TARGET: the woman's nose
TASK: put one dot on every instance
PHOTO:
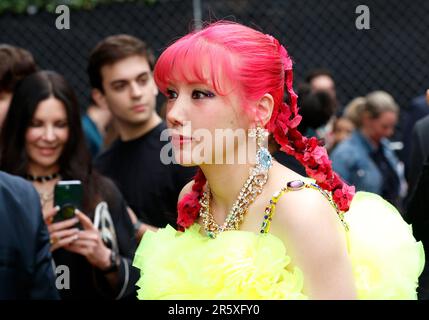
(49, 133)
(176, 113)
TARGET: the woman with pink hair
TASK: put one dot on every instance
(255, 229)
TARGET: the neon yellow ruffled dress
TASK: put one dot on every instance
(386, 259)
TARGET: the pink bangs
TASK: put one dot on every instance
(195, 59)
(228, 57)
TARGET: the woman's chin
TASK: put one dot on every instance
(189, 161)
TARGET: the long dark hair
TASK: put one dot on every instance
(75, 160)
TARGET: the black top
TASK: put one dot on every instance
(150, 187)
(290, 162)
(25, 261)
(88, 282)
(419, 151)
(418, 216)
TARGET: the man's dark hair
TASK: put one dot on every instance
(113, 49)
(317, 73)
(316, 108)
(15, 64)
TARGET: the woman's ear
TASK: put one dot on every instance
(264, 108)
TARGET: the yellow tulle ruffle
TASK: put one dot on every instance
(386, 258)
(243, 265)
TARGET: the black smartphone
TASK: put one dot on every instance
(68, 196)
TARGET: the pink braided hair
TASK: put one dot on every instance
(308, 151)
(189, 207)
(284, 120)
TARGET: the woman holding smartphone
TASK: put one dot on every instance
(42, 141)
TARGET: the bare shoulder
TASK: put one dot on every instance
(186, 189)
(301, 209)
(305, 209)
(315, 239)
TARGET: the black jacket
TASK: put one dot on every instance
(418, 216)
(419, 150)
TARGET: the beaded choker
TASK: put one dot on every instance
(42, 178)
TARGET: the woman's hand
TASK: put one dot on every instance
(48, 215)
(61, 234)
(89, 244)
(139, 227)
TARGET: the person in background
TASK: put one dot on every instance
(41, 140)
(96, 122)
(321, 80)
(419, 149)
(15, 64)
(316, 109)
(409, 116)
(418, 193)
(354, 109)
(342, 129)
(418, 215)
(25, 260)
(365, 159)
(344, 125)
(120, 73)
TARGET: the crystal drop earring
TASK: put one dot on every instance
(264, 160)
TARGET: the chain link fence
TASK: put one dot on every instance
(392, 55)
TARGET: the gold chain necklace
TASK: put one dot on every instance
(251, 189)
(45, 197)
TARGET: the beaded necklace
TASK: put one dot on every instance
(42, 178)
(248, 193)
(252, 188)
(45, 197)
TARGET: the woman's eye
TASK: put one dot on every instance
(171, 94)
(61, 124)
(197, 94)
(35, 124)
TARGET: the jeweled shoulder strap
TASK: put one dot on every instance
(296, 185)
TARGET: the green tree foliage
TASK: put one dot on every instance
(32, 6)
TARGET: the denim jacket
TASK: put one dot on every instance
(351, 159)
